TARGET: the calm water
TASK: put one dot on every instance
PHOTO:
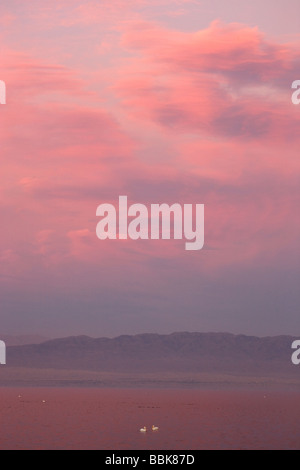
(110, 419)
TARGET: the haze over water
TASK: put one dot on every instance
(110, 419)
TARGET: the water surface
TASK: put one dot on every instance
(110, 419)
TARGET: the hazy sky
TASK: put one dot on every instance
(164, 101)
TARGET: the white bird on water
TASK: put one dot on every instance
(144, 429)
(155, 428)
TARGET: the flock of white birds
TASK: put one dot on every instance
(154, 428)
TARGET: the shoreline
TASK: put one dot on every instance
(24, 377)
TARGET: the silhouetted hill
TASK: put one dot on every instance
(152, 353)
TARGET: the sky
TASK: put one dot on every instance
(164, 101)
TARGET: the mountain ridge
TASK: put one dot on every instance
(151, 352)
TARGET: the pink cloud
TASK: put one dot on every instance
(30, 78)
(226, 80)
(220, 48)
(7, 19)
(92, 12)
(66, 150)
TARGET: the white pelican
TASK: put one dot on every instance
(144, 429)
(155, 428)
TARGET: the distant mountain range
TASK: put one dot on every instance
(213, 353)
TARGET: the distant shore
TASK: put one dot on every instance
(25, 377)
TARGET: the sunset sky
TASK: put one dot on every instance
(181, 101)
